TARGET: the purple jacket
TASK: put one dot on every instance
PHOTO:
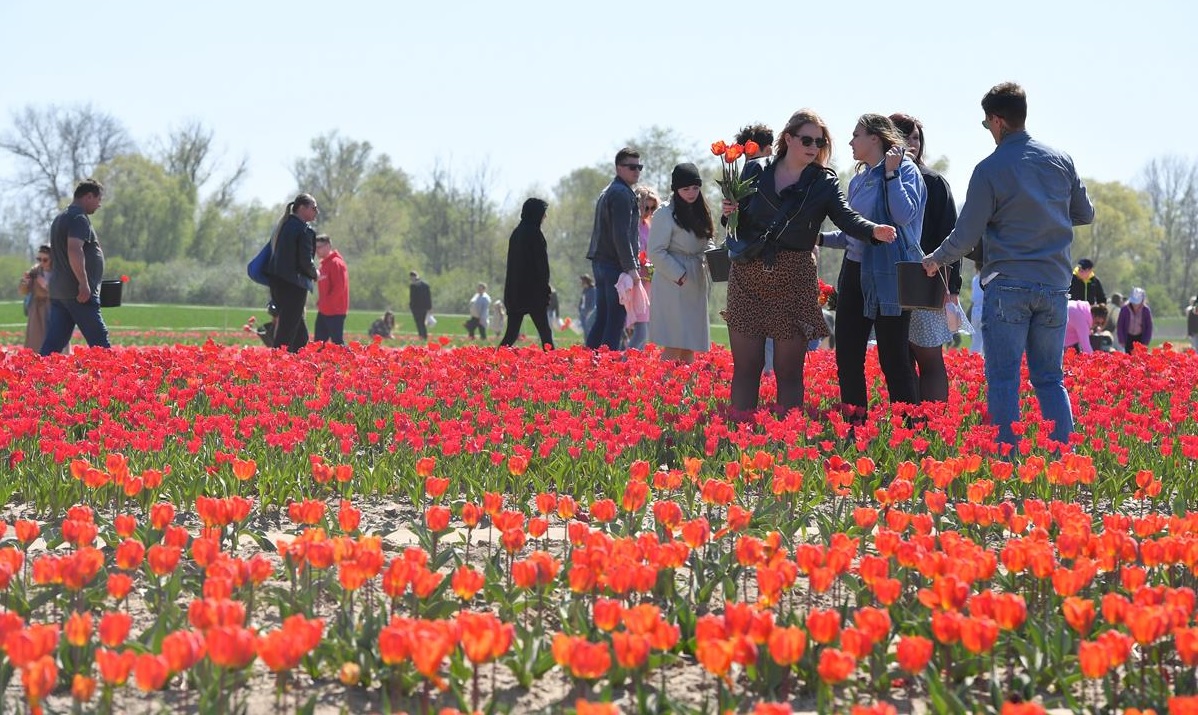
(1125, 319)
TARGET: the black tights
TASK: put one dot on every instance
(515, 321)
(748, 359)
(933, 377)
(852, 338)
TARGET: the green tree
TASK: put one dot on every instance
(147, 215)
(1122, 236)
(334, 172)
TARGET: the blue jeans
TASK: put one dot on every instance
(1020, 317)
(330, 328)
(640, 336)
(609, 314)
(65, 316)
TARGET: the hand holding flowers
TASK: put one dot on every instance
(731, 185)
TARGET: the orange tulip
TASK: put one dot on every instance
(978, 635)
(913, 653)
(83, 688)
(466, 582)
(787, 645)
(119, 585)
(484, 637)
(163, 559)
(1079, 614)
(115, 667)
(1092, 657)
(834, 665)
(151, 672)
(78, 629)
(114, 628)
(823, 625)
(39, 679)
(632, 650)
(231, 647)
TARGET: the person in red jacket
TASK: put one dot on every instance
(332, 302)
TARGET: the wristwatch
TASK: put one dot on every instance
(891, 175)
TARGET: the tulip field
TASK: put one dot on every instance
(452, 528)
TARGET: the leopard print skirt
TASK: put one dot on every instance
(780, 303)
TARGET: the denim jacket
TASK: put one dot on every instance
(905, 196)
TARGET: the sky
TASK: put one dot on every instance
(533, 90)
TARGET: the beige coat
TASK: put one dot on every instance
(679, 317)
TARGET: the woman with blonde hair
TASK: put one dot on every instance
(887, 187)
(647, 202)
(775, 295)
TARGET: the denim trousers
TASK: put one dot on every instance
(65, 315)
(1018, 318)
(609, 314)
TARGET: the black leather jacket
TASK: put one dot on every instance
(817, 196)
(293, 254)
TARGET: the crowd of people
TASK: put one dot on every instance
(651, 282)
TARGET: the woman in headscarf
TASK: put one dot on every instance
(526, 288)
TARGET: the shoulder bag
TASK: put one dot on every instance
(745, 250)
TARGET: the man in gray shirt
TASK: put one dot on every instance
(78, 269)
(1022, 204)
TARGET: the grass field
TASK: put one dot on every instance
(227, 322)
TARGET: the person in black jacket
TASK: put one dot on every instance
(776, 295)
(420, 302)
(292, 270)
(929, 329)
(1085, 285)
(526, 287)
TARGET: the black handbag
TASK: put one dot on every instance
(764, 245)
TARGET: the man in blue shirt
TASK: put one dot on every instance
(1022, 204)
(78, 269)
(615, 239)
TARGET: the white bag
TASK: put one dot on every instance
(430, 321)
(957, 322)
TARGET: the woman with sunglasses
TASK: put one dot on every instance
(929, 328)
(35, 285)
(647, 202)
(887, 187)
(776, 295)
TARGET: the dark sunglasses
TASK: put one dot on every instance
(43, 260)
(634, 167)
(819, 142)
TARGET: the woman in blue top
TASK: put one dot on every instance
(887, 189)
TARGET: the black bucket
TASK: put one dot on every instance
(916, 289)
(717, 263)
(110, 293)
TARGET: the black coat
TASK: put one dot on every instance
(526, 287)
(823, 199)
(420, 297)
(939, 218)
(292, 258)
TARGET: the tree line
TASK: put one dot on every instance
(172, 220)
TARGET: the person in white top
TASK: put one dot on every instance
(975, 315)
(480, 312)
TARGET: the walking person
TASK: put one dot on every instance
(1135, 321)
(420, 302)
(526, 285)
(776, 294)
(613, 249)
(888, 187)
(586, 304)
(292, 271)
(75, 286)
(1022, 204)
(480, 312)
(681, 231)
(332, 293)
(929, 330)
(35, 286)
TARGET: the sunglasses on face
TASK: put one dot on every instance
(43, 260)
(634, 167)
(819, 142)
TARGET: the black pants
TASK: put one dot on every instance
(1132, 340)
(852, 338)
(420, 316)
(330, 328)
(475, 324)
(515, 321)
(290, 329)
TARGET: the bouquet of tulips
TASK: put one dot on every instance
(731, 185)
